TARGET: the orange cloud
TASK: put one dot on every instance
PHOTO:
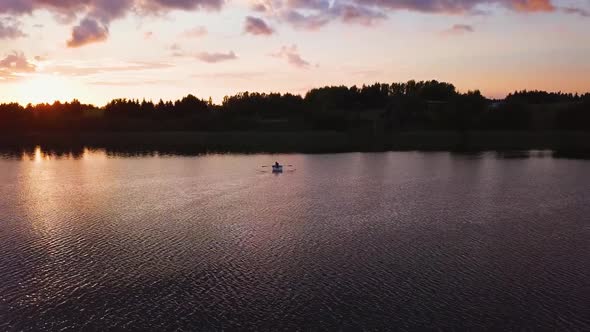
(533, 5)
(12, 65)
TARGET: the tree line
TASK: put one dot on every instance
(413, 105)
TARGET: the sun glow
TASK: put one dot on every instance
(46, 89)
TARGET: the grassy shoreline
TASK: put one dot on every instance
(310, 142)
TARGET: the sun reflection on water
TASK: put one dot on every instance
(39, 154)
(49, 175)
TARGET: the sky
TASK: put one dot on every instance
(97, 50)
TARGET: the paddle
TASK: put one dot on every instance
(279, 165)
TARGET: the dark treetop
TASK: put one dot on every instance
(426, 105)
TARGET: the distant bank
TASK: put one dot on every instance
(307, 142)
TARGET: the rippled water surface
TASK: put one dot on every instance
(344, 241)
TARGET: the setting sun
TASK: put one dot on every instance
(46, 89)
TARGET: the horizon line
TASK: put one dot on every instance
(302, 95)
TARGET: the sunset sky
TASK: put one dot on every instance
(97, 50)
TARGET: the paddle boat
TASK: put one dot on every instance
(277, 168)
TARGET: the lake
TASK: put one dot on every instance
(399, 240)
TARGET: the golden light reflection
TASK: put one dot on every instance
(38, 155)
(38, 191)
(61, 184)
(94, 155)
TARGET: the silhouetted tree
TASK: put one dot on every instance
(423, 105)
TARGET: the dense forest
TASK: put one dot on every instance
(425, 105)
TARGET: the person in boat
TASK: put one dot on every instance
(277, 164)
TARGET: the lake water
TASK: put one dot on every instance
(344, 241)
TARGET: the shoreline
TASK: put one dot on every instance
(305, 142)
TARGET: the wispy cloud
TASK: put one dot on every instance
(577, 11)
(459, 6)
(196, 32)
(176, 50)
(291, 54)
(17, 63)
(259, 7)
(10, 30)
(131, 83)
(458, 29)
(247, 75)
(257, 26)
(88, 69)
(216, 57)
(315, 14)
(359, 15)
(13, 65)
(306, 22)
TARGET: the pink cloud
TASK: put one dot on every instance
(216, 57)
(359, 15)
(259, 7)
(576, 11)
(291, 54)
(306, 22)
(104, 9)
(459, 29)
(459, 6)
(89, 70)
(314, 14)
(10, 30)
(159, 5)
(257, 26)
(16, 63)
(98, 14)
(87, 32)
(196, 32)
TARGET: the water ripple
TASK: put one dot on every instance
(347, 242)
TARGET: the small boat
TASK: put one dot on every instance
(276, 168)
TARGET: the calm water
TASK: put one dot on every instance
(345, 241)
